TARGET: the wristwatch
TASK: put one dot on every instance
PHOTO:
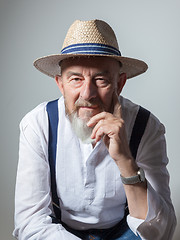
(138, 178)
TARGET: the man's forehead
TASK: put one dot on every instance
(98, 62)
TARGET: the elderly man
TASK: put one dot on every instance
(87, 156)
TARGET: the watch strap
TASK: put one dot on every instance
(138, 178)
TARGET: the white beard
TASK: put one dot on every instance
(82, 131)
(79, 125)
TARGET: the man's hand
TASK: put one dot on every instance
(112, 128)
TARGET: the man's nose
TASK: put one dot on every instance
(88, 90)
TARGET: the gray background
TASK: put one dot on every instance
(147, 30)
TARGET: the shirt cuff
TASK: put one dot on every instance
(134, 223)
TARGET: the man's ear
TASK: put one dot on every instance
(121, 82)
(59, 83)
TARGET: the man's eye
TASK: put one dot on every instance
(102, 82)
(76, 81)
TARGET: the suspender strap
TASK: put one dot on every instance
(52, 110)
(138, 130)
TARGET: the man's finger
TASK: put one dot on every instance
(96, 118)
(117, 112)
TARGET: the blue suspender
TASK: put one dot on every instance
(52, 110)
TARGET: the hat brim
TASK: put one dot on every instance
(49, 65)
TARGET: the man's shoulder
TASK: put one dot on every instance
(130, 110)
(38, 116)
(128, 105)
(38, 112)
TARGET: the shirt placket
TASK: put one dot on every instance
(90, 177)
(89, 181)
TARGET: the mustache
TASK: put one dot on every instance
(84, 103)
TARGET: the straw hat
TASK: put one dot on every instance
(90, 38)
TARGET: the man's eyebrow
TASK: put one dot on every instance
(70, 73)
(104, 73)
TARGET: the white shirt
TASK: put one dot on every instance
(88, 180)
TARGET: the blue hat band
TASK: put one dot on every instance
(91, 48)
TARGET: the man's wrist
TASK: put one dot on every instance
(127, 166)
